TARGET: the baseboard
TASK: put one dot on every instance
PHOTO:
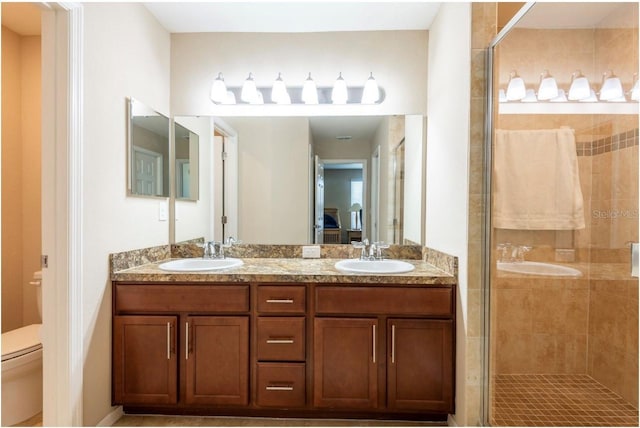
(451, 421)
(112, 417)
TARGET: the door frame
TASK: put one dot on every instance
(62, 211)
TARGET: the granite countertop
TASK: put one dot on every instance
(287, 270)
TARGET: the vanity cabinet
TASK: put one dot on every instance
(400, 357)
(283, 349)
(181, 344)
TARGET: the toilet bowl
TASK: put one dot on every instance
(22, 370)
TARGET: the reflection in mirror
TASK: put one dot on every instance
(148, 141)
(274, 168)
(186, 150)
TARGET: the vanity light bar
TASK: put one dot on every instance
(308, 94)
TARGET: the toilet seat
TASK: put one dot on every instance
(21, 341)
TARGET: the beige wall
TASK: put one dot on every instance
(447, 187)
(273, 174)
(130, 62)
(415, 130)
(21, 229)
(398, 60)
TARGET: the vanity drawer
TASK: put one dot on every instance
(281, 384)
(132, 298)
(282, 299)
(280, 339)
(436, 301)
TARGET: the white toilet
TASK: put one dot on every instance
(22, 368)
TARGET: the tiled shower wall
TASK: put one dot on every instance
(587, 325)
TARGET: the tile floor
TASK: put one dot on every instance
(216, 421)
(557, 400)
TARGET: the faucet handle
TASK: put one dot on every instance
(230, 241)
(379, 246)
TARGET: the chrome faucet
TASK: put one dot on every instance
(370, 251)
(508, 253)
(213, 250)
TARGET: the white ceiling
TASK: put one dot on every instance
(293, 16)
(358, 127)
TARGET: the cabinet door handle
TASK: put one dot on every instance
(279, 300)
(186, 342)
(279, 388)
(279, 341)
(168, 340)
(374, 343)
(393, 343)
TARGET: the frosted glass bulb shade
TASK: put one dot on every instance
(371, 92)
(611, 89)
(218, 89)
(580, 88)
(530, 97)
(310, 91)
(561, 98)
(229, 98)
(548, 88)
(339, 94)
(258, 99)
(591, 98)
(279, 91)
(635, 92)
(249, 90)
(516, 90)
(502, 96)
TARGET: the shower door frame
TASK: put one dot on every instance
(486, 190)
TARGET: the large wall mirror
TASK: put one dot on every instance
(148, 151)
(301, 180)
(187, 145)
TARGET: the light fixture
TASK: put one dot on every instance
(611, 88)
(580, 88)
(548, 87)
(530, 97)
(635, 91)
(516, 89)
(310, 91)
(561, 98)
(218, 89)
(502, 96)
(279, 91)
(371, 92)
(249, 90)
(592, 98)
(339, 94)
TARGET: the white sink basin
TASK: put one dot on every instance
(374, 266)
(537, 268)
(199, 264)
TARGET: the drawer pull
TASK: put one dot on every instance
(186, 345)
(279, 388)
(393, 343)
(279, 341)
(280, 301)
(373, 335)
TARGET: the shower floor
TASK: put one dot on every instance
(557, 400)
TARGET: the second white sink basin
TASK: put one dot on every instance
(374, 266)
(537, 268)
(200, 264)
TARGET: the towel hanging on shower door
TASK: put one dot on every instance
(537, 183)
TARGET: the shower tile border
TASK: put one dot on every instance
(608, 144)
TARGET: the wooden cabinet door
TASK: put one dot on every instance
(145, 364)
(217, 360)
(420, 364)
(345, 363)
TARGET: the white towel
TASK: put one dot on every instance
(537, 184)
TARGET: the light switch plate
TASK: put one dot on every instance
(310, 251)
(163, 211)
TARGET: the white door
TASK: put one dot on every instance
(148, 177)
(319, 209)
